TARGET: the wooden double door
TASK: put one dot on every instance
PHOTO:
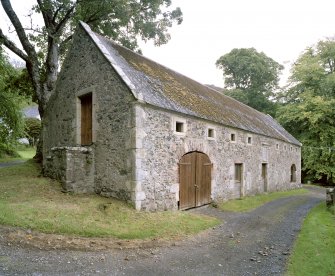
(195, 171)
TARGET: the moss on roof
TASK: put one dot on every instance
(165, 88)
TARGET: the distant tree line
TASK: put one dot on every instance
(306, 107)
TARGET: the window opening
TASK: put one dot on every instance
(238, 172)
(210, 133)
(180, 127)
(86, 119)
(232, 137)
(293, 173)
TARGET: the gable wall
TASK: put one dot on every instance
(87, 71)
(161, 149)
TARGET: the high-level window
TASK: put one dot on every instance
(86, 119)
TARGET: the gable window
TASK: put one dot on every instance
(293, 173)
(211, 133)
(86, 119)
(233, 137)
(238, 172)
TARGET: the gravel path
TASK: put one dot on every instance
(11, 163)
(254, 243)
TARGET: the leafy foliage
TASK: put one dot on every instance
(32, 128)
(309, 110)
(251, 77)
(45, 46)
(10, 116)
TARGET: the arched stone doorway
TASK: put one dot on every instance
(195, 169)
(293, 173)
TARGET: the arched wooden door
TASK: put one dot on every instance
(195, 180)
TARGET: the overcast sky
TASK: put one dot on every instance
(281, 29)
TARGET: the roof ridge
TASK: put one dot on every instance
(156, 84)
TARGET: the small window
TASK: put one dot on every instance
(210, 133)
(233, 137)
(291, 148)
(180, 127)
(285, 148)
(249, 140)
(238, 172)
(277, 146)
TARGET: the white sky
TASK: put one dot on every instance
(281, 29)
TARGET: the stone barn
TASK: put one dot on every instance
(121, 125)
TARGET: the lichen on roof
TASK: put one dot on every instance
(165, 88)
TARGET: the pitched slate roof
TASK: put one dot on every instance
(162, 87)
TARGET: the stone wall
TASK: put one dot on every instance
(73, 166)
(160, 147)
(86, 70)
(136, 149)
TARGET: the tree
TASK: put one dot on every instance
(10, 116)
(309, 110)
(251, 77)
(32, 128)
(122, 20)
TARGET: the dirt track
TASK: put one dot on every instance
(254, 243)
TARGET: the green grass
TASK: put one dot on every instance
(314, 249)
(23, 152)
(250, 203)
(30, 201)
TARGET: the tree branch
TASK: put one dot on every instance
(66, 17)
(20, 31)
(11, 46)
(46, 14)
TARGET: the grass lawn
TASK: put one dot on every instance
(314, 249)
(249, 203)
(24, 154)
(30, 201)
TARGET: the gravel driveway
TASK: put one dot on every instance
(254, 243)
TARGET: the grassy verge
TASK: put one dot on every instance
(249, 203)
(30, 201)
(314, 249)
(24, 154)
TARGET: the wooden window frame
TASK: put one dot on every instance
(79, 96)
(86, 122)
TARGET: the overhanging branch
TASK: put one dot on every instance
(12, 47)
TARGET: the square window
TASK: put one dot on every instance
(210, 133)
(180, 127)
(232, 137)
